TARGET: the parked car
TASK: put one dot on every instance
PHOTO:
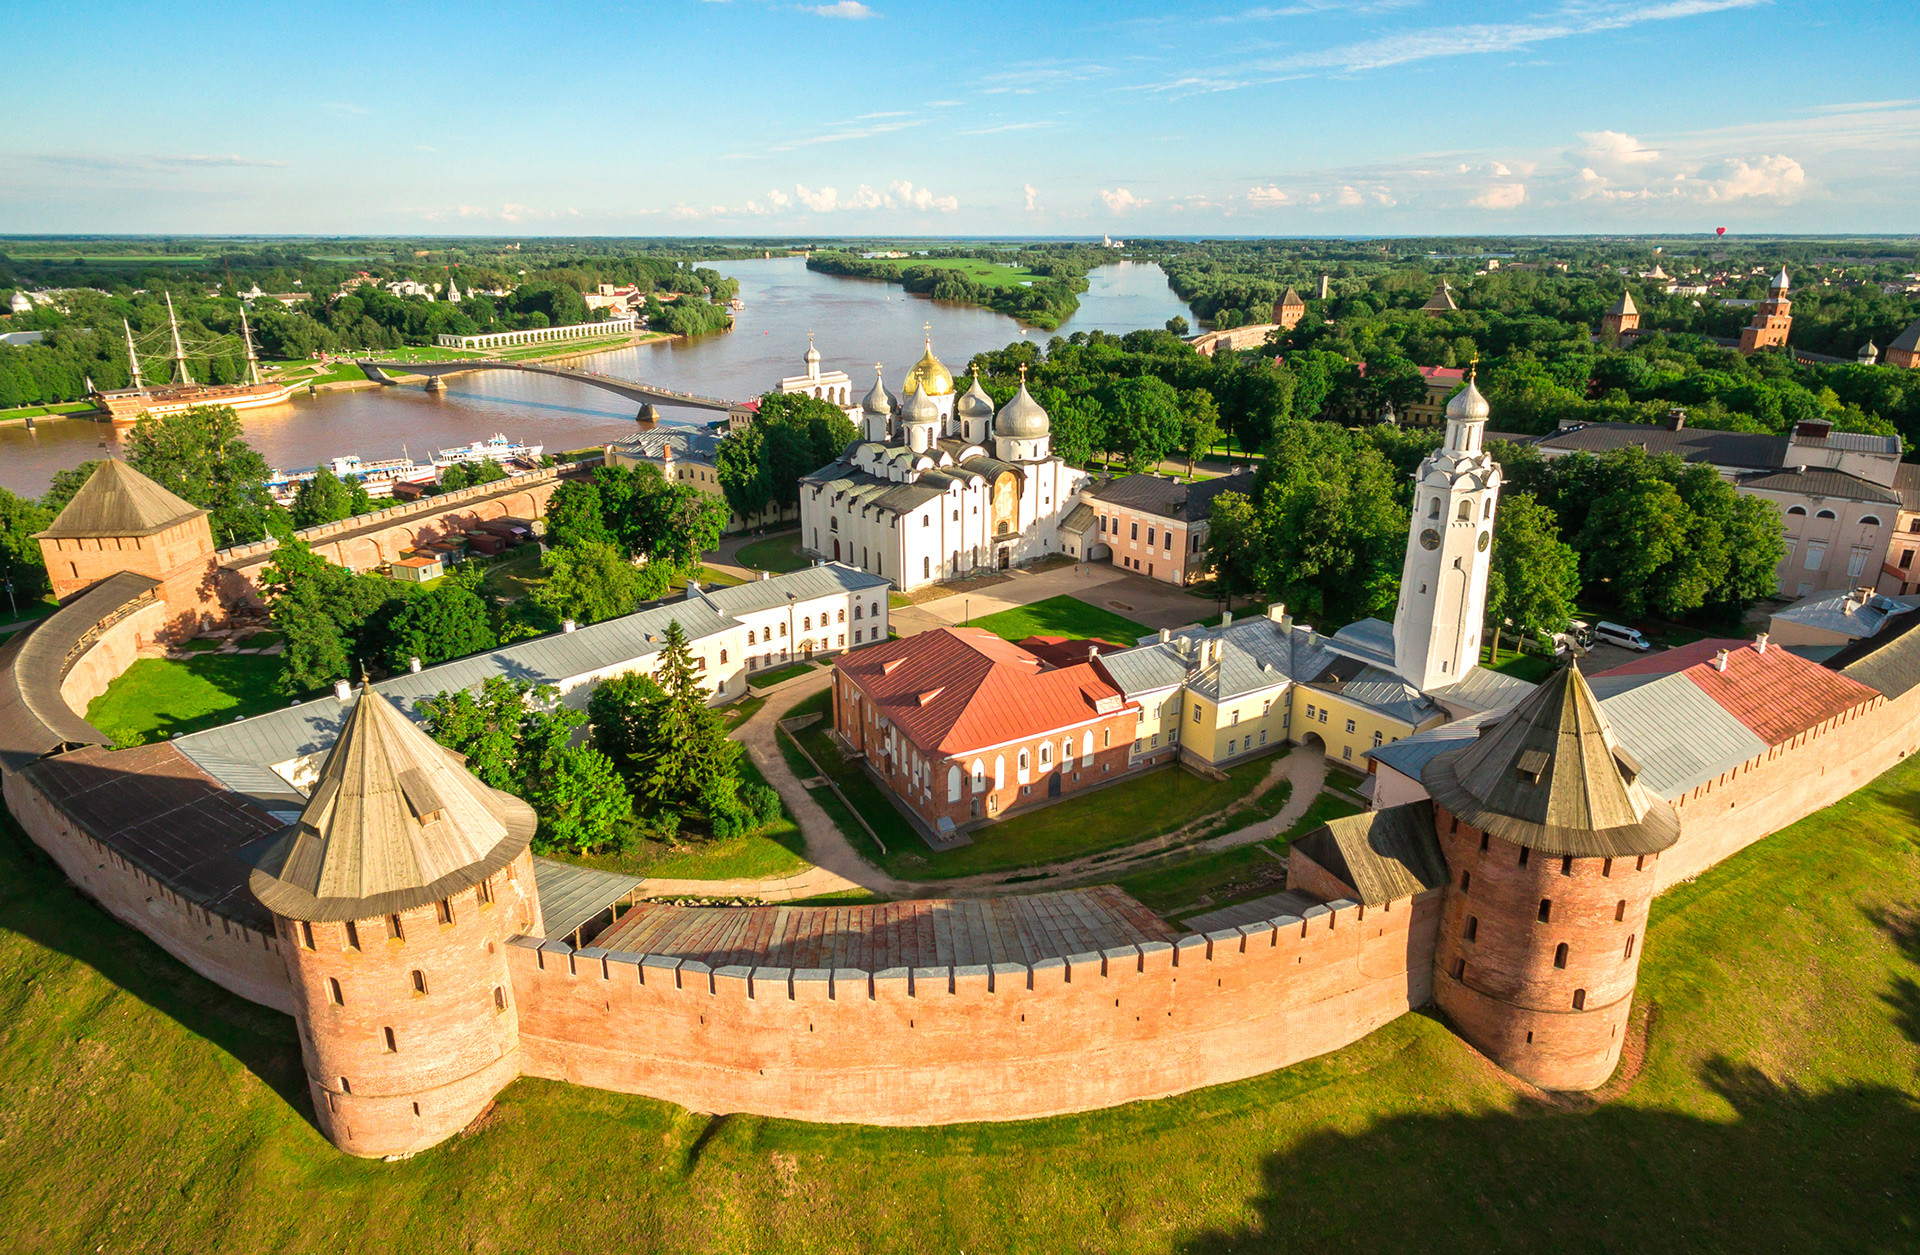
(1621, 635)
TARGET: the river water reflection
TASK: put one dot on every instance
(855, 322)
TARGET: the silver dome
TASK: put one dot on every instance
(1022, 419)
(976, 403)
(922, 408)
(878, 401)
(1469, 405)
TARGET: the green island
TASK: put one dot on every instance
(1038, 284)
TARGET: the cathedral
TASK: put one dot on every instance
(939, 486)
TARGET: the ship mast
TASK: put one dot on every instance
(133, 359)
(253, 363)
(180, 372)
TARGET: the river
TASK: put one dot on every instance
(855, 323)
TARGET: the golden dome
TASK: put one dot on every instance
(929, 375)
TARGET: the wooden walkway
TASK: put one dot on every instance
(937, 932)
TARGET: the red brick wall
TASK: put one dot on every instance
(1512, 999)
(453, 1045)
(942, 1045)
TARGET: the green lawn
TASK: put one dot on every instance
(514, 574)
(1530, 667)
(776, 553)
(44, 411)
(157, 697)
(1167, 889)
(1778, 1109)
(1062, 616)
(986, 273)
(779, 675)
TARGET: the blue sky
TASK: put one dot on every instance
(726, 117)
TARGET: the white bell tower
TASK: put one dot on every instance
(1443, 586)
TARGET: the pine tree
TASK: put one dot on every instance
(688, 744)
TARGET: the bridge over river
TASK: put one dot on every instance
(649, 394)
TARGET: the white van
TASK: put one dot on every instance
(1621, 635)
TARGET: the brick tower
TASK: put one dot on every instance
(122, 521)
(1904, 352)
(1770, 326)
(1550, 842)
(1624, 316)
(1289, 309)
(394, 896)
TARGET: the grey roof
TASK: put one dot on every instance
(922, 408)
(1144, 669)
(117, 500)
(1736, 449)
(1820, 482)
(1853, 441)
(826, 579)
(1168, 497)
(1410, 755)
(893, 496)
(1382, 855)
(1442, 299)
(1379, 689)
(34, 719)
(990, 467)
(1889, 662)
(1908, 340)
(1369, 640)
(1469, 404)
(1484, 689)
(394, 822)
(687, 443)
(1551, 775)
(570, 896)
(878, 400)
(1838, 611)
(975, 403)
(1078, 519)
(1679, 735)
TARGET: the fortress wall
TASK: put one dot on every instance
(1789, 782)
(942, 1045)
(111, 653)
(231, 955)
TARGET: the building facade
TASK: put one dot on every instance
(1623, 316)
(1152, 525)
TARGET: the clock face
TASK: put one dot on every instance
(1429, 539)
(1485, 539)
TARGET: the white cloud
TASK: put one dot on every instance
(826, 200)
(778, 199)
(1120, 200)
(1268, 197)
(1768, 178)
(1502, 196)
(853, 10)
(1611, 148)
(1347, 196)
(1033, 198)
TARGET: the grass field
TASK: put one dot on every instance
(1062, 616)
(157, 697)
(1532, 668)
(775, 553)
(985, 273)
(1777, 1110)
(779, 675)
(42, 411)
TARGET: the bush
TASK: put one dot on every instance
(762, 803)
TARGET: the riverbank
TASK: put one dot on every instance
(65, 409)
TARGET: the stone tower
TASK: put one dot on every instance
(1770, 326)
(1904, 352)
(1289, 309)
(394, 896)
(1624, 316)
(122, 521)
(1550, 841)
(1443, 585)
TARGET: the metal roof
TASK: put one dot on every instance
(1735, 449)
(570, 896)
(825, 579)
(1078, 519)
(1145, 669)
(687, 443)
(35, 719)
(1778, 694)
(1820, 482)
(1681, 737)
(117, 500)
(1410, 755)
(1168, 497)
(1838, 611)
(1484, 689)
(1888, 663)
(1369, 640)
(1382, 855)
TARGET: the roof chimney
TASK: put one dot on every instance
(567, 625)
(342, 690)
(1226, 619)
(1760, 643)
(413, 665)
(1676, 418)
(1277, 612)
(766, 575)
(1720, 660)
(1166, 634)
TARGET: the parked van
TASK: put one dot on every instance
(1621, 635)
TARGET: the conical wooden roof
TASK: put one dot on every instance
(1441, 301)
(394, 821)
(1551, 776)
(117, 500)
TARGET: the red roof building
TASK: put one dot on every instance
(964, 726)
(1775, 693)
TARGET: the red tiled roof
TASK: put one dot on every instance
(954, 690)
(1777, 695)
(1431, 373)
(1065, 651)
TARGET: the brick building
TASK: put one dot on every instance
(1770, 326)
(1153, 524)
(1624, 316)
(1289, 310)
(965, 726)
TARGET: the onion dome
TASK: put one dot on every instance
(393, 822)
(1468, 405)
(813, 354)
(922, 408)
(1779, 283)
(929, 375)
(1869, 353)
(976, 403)
(877, 401)
(1022, 419)
(1551, 776)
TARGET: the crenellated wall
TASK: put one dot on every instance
(941, 1045)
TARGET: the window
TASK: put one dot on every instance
(1433, 510)
(783, 629)
(1046, 754)
(1460, 969)
(1524, 852)
(1231, 742)
(750, 639)
(1579, 1000)
(1023, 760)
(1906, 559)
(1310, 711)
(843, 615)
(1566, 864)
(723, 657)
(1323, 714)
(353, 929)
(1376, 740)
(1629, 953)
(393, 1047)
(1825, 514)
(1546, 910)
(1263, 736)
(1857, 562)
(1136, 532)
(1465, 514)
(1606, 869)
(1346, 752)
(1796, 510)
(334, 995)
(1233, 719)
(1466, 881)
(842, 641)
(1560, 955)
(444, 910)
(806, 623)
(1620, 911)
(1106, 739)
(1265, 707)
(1196, 712)
(419, 981)
(1640, 863)
(1473, 927)
(394, 931)
(926, 568)
(306, 935)
(1349, 727)
(1869, 520)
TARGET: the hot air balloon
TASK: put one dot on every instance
(1719, 230)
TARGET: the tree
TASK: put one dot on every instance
(438, 623)
(1533, 578)
(1199, 424)
(199, 455)
(65, 484)
(591, 582)
(1178, 325)
(800, 434)
(741, 467)
(624, 711)
(1233, 545)
(1330, 532)
(1143, 420)
(574, 516)
(581, 801)
(688, 746)
(21, 563)
(322, 499)
(330, 616)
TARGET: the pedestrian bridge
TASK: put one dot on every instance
(435, 372)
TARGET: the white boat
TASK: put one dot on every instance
(498, 447)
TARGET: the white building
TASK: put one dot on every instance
(942, 490)
(829, 385)
(804, 614)
(1443, 584)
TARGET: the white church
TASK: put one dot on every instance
(939, 487)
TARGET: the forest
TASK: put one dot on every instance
(1045, 301)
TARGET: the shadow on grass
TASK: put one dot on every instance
(38, 903)
(1791, 1170)
(1902, 926)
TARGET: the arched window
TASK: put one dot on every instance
(1433, 511)
(1023, 760)
(1086, 746)
(783, 629)
(1466, 512)
(333, 992)
(1487, 511)
(1579, 1000)
(723, 657)
(858, 612)
(843, 615)
(419, 981)
(1473, 927)
(1546, 910)
(979, 776)
(806, 623)
(1046, 754)
(1825, 514)
(1620, 911)
(1797, 509)
(1066, 752)
(750, 636)
(1560, 955)
(999, 771)
(1869, 520)
(953, 783)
